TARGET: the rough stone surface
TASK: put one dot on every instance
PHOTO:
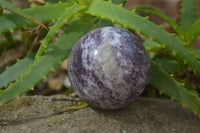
(37, 114)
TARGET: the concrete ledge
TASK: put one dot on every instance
(36, 114)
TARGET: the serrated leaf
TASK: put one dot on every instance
(195, 52)
(151, 45)
(18, 12)
(149, 7)
(56, 27)
(141, 25)
(171, 66)
(165, 18)
(193, 32)
(103, 23)
(13, 72)
(169, 86)
(46, 63)
(47, 13)
(188, 14)
(117, 2)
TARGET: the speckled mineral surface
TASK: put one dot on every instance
(108, 68)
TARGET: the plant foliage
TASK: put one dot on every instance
(169, 53)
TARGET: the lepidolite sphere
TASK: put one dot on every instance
(108, 68)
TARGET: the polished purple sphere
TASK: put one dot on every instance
(108, 68)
